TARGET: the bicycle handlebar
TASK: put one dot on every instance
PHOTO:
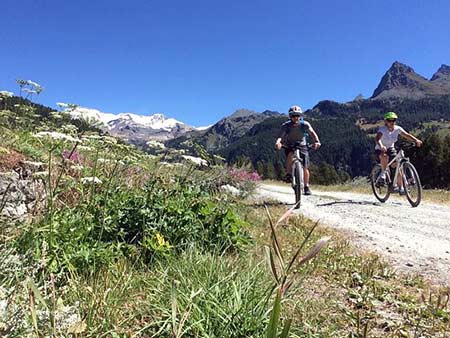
(309, 146)
(405, 146)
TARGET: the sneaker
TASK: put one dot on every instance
(307, 191)
(401, 191)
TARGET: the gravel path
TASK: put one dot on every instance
(416, 240)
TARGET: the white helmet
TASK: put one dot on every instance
(295, 111)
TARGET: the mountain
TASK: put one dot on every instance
(347, 129)
(401, 81)
(226, 131)
(133, 127)
(442, 77)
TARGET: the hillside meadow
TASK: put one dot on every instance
(119, 243)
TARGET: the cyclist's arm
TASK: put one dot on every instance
(378, 140)
(314, 135)
(281, 134)
(411, 137)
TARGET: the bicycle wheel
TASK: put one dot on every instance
(411, 183)
(297, 183)
(380, 189)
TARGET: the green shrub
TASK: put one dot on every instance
(160, 218)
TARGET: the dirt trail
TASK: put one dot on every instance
(416, 240)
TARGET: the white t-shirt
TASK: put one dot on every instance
(389, 137)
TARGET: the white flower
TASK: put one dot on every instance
(155, 144)
(103, 160)
(5, 93)
(77, 167)
(230, 189)
(197, 160)
(56, 115)
(40, 174)
(34, 84)
(109, 139)
(56, 136)
(29, 91)
(94, 180)
(86, 148)
(93, 137)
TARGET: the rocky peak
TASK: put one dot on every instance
(242, 113)
(399, 76)
(403, 82)
(442, 72)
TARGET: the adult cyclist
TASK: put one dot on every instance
(292, 132)
(385, 140)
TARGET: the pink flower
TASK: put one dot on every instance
(74, 157)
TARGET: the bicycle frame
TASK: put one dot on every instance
(399, 158)
(297, 158)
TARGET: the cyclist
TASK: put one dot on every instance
(294, 131)
(385, 139)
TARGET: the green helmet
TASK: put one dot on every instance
(390, 116)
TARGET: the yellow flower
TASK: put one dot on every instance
(160, 239)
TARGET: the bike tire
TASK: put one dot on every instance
(377, 191)
(297, 183)
(411, 179)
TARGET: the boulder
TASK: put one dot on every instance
(19, 196)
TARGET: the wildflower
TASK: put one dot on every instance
(86, 148)
(62, 104)
(155, 144)
(32, 83)
(160, 239)
(72, 156)
(103, 160)
(197, 160)
(92, 179)
(76, 167)
(162, 243)
(56, 115)
(29, 91)
(56, 136)
(93, 137)
(109, 139)
(69, 128)
(40, 174)
(5, 93)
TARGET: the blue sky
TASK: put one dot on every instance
(200, 60)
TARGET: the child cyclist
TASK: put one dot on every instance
(385, 140)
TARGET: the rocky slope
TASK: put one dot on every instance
(401, 81)
(227, 130)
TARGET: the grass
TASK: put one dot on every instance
(197, 291)
(347, 291)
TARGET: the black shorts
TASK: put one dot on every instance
(391, 152)
(304, 155)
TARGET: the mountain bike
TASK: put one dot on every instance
(410, 178)
(297, 171)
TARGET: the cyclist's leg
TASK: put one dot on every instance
(391, 153)
(305, 162)
(306, 176)
(383, 157)
(289, 159)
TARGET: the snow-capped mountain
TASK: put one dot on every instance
(134, 127)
